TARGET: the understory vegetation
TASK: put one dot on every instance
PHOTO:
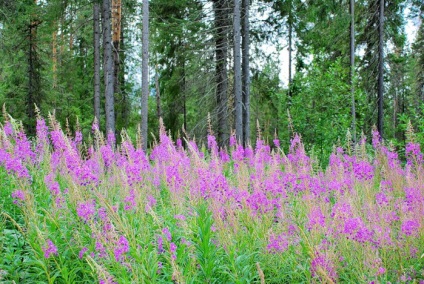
(75, 211)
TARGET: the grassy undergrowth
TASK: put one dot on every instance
(107, 213)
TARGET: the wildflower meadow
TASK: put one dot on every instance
(91, 210)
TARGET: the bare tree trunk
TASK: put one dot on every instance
(221, 75)
(237, 73)
(116, 39)
(123, 92)
(290, 20)
(145, 73)
(380, 68)
(108, 68)
(34, 82)
(352, 65)
(158, 109)
(96, 28)
(246, 71)
(54, 57)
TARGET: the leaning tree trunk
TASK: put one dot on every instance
(237, 73)
(246, 72)
(145, 73)
(221, 75)
(380, 68)
(108, 67)
(96, 43)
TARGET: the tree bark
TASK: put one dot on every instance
(237, 73)
(221, 75)
(34, 82)
(116, 39)
(380, 68)
(96, 39)
(108, 68)
(290, 22)
(145, 73)
(158, 108)
(246, 71)
(352, 65)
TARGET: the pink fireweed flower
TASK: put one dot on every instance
(278, 243)
(8, 128)
(111, 138)
(320, 261)
(102, 214)
(381, 271)
(51, 184)
(212, 145)
(276, 143)
(130, 200)
(101, 250)
(233, 140)
(410, 227)
(316, 218)
(18, 196)
(180, 217)
(122, 248)
(413, 153)
(160, 244)
(376, 139)
(173, 249)
(167, 234)
(179, 143)
(82, 252)
(49, 249)
(151, 202)
(86, 210)
(78, 137)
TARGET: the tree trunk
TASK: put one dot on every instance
(122, 90)
(158, 109)
(145, 73)
(352, 65)
(108, 68)
(290, 22)
(54, 58)
(221, 75)
(116, 39)
(380, 68)
(246, 72)
(237, 73)
(96, 39)
(34, 82)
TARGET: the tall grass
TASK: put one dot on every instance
(108, 213)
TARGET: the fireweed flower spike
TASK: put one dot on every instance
(49, 249)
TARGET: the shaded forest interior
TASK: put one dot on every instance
(348, 65)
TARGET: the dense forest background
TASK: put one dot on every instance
(215, 65)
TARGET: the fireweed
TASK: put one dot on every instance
(109, 212)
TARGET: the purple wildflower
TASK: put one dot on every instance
(86, 210)
(278, 243)
(122, 248)
(321, 262)
(167, 234)
(82, 252)
(18, 196)
(410, 227)
(316, 218)
(173, 249)
(130, 200)
(180, 217)
(49, 249)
